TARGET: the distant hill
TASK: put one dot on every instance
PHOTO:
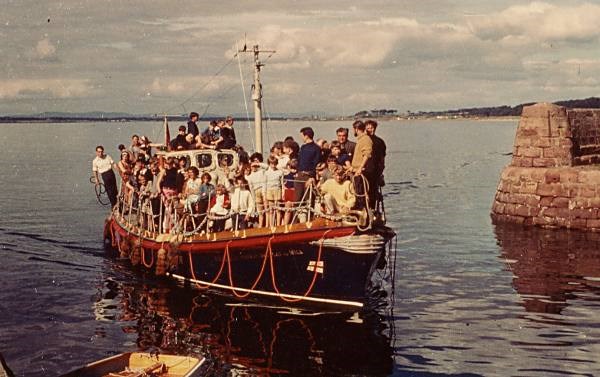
(499, 111)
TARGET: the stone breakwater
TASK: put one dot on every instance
(553, 180)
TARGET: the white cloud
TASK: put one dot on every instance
(35, 88)
(118, 45)
(45, 49)
(284, 88)
(541, 21)
(177, 85)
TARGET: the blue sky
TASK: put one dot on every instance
(332, 56)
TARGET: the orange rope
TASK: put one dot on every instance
(144, 258)
(314, 278)
(260, 274)
(225, 254)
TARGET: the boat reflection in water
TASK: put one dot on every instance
(246, 339)
(550, 267)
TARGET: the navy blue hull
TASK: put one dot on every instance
(340, 275)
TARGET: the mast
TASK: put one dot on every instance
(257, 96)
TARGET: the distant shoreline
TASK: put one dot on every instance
(291, 119)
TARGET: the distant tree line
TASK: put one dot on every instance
(375, 113)
(498, 111)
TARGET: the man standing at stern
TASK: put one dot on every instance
(103, 165)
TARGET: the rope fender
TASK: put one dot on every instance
(315, 273)
(268, 254)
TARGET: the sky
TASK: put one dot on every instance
(333, 57)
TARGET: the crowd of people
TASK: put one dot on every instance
(262, 191)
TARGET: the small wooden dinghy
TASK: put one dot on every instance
(137, 364)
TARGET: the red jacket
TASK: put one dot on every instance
(226, 201)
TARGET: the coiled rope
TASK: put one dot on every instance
(100, 190)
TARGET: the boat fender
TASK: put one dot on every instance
(161, 262)
(107, 235)
(124, 248)
(135, 255)
(173, 259)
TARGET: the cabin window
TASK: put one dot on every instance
(225, 160)
(204, 160)
(187, 160)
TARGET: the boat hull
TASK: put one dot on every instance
(184, 366)
(318, 264)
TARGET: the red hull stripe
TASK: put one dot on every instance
(306, 235)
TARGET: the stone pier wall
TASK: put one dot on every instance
(552, 180)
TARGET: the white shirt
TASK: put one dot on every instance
(102, 165)
(242, 201)
(218, 208)
(273, 178)
(282, 161)
(256, 180)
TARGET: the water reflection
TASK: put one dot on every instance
(551, 267)
(244, 338)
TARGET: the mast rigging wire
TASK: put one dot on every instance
(201, 88)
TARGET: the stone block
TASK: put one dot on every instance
(546, 201)
(577, 223)
(522, 210)
(498, 207)
(524, 140)
(522, 161)
(545, 189)
(560, 202)
(549, 211)
(529, 152)
(543, 221)
(593, 223)
(510, 209)
(593, 202)
(505, 186)
(542, 162)
(526, 136)
(568, 175)
(528, 187)
(543, 142)
(536, 174)
(590, 177)
(532, 201)
(561, 222)
(565, 143)
(587, 191)
(584, 213)
(543, 110)
(552, 176)
(557, 152)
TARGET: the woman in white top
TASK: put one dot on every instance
(191, 190)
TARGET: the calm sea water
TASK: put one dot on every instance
(469, 298)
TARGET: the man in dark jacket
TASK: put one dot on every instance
(379, 151)
(192, 127)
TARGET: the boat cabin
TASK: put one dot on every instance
(206, 160)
